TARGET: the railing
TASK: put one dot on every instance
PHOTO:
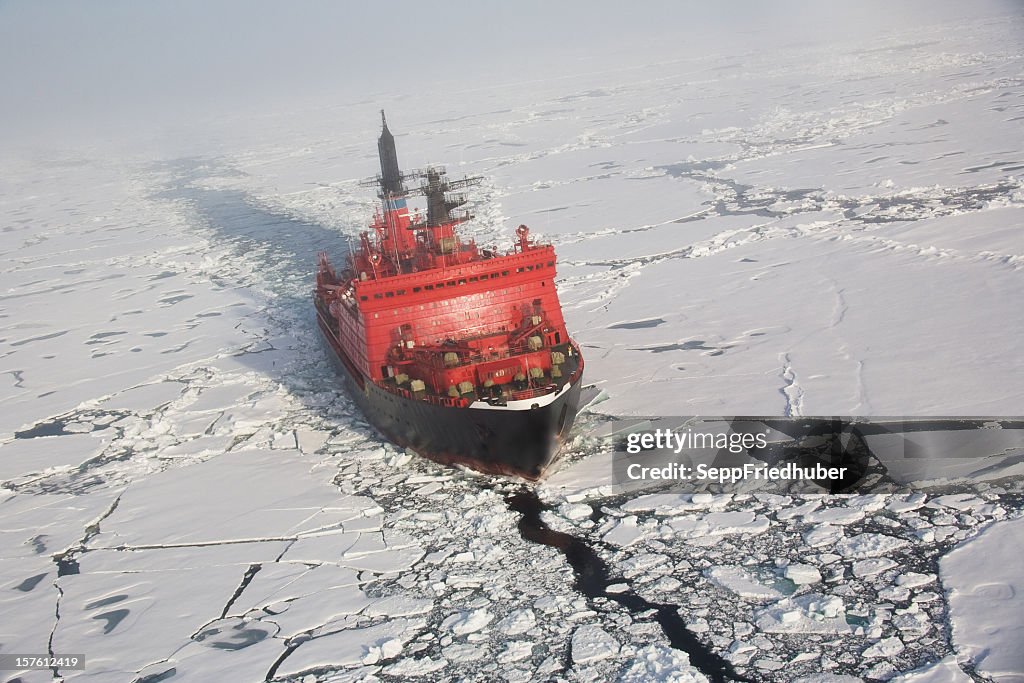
(339, 350)
(526, 394)
(575, 375)
(522, 395)
(446, 401)
(433, 356)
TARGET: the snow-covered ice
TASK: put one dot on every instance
(591, 643)
(740, 582)
(801, 574)
(985, 603)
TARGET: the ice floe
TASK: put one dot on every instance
(985, 603)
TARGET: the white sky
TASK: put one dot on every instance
(70, 69)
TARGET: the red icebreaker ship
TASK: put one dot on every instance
(457, 352)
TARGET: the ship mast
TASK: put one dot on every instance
(409, 242)
(390, 174)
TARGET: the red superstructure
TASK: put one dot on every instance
(432, 319)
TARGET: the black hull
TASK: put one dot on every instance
(521, 443)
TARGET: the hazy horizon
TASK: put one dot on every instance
(109, 69)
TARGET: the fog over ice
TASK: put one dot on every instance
(167, 72)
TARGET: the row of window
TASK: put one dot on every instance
(454, 283)
(407, 310)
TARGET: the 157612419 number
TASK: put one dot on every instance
(15, 661)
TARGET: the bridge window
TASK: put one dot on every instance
(389, 295)
(378, 295)
(363, 297)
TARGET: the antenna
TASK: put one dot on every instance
(436, 187)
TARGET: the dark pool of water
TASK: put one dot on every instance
(593, 578)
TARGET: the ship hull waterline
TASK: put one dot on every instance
(518, 443)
